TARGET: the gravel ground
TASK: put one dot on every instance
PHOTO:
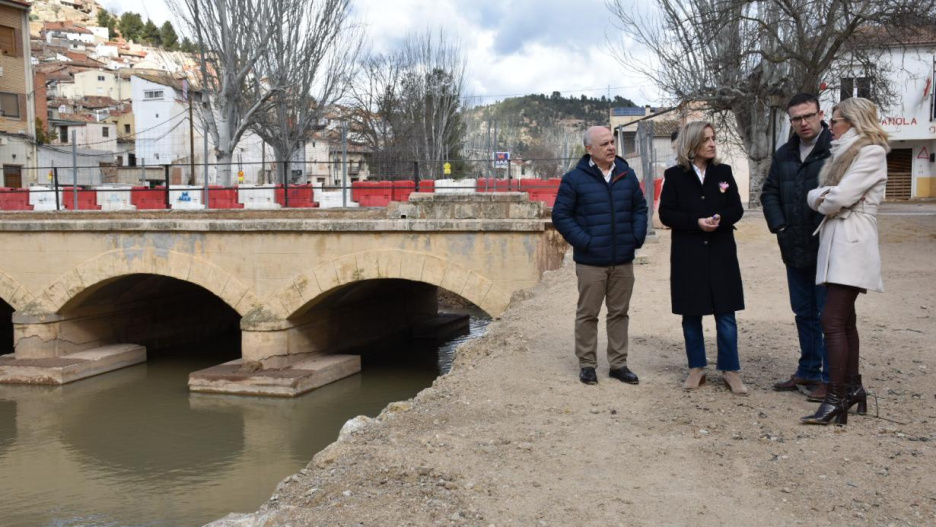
(510, 437)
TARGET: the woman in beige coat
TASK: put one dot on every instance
(851, 186)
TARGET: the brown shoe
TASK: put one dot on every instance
(818, 395)
(733, 382)
(695, 379)
(790, 384)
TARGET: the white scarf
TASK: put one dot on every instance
(841, 144)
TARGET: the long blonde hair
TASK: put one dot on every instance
(862, 115)
(689, 140)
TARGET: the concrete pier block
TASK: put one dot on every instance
(71, 367)
(299, 378)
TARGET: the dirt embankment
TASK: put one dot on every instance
(511, 437)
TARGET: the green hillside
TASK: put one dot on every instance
(537, 125)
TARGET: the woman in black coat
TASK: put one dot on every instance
(701, 204)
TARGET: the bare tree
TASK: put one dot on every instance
(310, 57)
(433, 87)
(232, 37)
(376, 115)
(745, 59)
(407, 103)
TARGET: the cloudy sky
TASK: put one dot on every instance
(514, 47)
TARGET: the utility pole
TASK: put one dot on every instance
(344, 164)
(488, 151)
(191, 123)
(74, 139)
(495, 148)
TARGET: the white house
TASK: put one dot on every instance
(162, 131)
(101, 34)
(69, 32)
(106, 53)
(88, 134)
(910, 119)
(104, 83)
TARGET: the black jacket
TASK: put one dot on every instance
(784, 199)
(604, 223)
(705, 277)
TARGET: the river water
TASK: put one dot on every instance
(134, 448)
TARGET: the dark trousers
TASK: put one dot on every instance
(841, 332)
(726, 328)
(808, 300)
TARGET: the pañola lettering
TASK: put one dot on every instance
(898, 121)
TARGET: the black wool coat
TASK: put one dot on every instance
(705, 277)
(784, 199)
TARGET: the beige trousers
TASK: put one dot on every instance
(613, 286)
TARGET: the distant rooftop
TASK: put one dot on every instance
(632, 111)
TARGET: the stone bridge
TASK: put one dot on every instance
(86, 293)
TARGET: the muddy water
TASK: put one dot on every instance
(135, 448)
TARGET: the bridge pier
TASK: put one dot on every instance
(291, 356)
(53, 349)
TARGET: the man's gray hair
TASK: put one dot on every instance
(586, 139)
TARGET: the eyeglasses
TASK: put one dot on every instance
(800, 118)
(833, 120)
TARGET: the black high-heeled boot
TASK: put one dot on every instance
(857, 395)
(833, 410)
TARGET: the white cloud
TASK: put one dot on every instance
(513, 48)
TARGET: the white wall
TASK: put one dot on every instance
(908, 118)
(161, 124)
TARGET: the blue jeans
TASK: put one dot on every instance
(727, 330)
(808, 300)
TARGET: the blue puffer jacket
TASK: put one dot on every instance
(604, 223)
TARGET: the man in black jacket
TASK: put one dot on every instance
(793, 173)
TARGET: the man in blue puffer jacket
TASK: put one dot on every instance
(602, 213)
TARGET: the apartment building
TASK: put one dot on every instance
(17, 113)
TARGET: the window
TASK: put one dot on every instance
(105, 132)
(9, 105)
(856, 87)
(100, 78)
(126, 128)
(153, 94)
(7, 40)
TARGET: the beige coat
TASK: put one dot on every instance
(848, 236)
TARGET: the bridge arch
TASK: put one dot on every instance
(317, 283)
(17, 296)
(115, 264)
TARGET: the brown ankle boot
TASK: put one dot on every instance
(818, 395)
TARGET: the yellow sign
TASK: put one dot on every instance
(240, 176)
(447, 169)
(50, 175)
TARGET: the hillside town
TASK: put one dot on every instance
(76, 93)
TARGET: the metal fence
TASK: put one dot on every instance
(91, 183)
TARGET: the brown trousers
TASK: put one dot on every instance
(612, 286)
(839, 323)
